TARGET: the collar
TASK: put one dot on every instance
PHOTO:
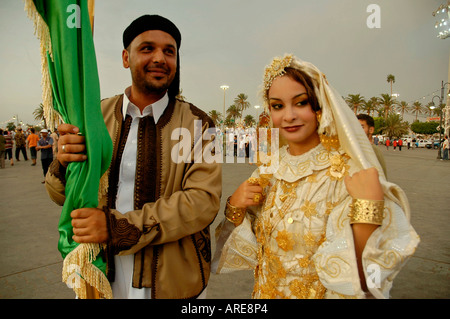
(156, 109)
(294, 167)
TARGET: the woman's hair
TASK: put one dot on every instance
(302, 78)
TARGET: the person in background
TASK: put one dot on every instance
(445, 147)
(9, 146)
(2, 149)
(368, 124)
(20, 140)
(32, 142)
(45, 145)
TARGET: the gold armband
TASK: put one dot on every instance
(234, 214)
(366, 211)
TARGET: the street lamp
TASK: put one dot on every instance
(224, 88)
(257, 107)
(441, 98)
(443, 23)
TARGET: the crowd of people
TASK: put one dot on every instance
(29, 140)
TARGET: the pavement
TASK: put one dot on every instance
(30, 263)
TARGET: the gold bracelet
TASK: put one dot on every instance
(366, 211)
(234, 214)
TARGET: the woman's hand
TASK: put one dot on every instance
(70, 145)
(249, 193)
(365, 184)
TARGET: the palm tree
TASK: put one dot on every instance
(417, 108)
(354, 101)
(215, 116)
(241, 103)
(370, 105)
(39, 114)
(387, 102)
(391, 79)
(394, 127)
(249, 120)
(402, 107)
(233, 112)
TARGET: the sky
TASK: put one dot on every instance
(230, 42)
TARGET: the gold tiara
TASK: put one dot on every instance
(277, 68)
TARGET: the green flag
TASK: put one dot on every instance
(71, 87)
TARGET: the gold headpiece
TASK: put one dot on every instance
(277, 68)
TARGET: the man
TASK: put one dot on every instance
(32, 142)
(45, 145)
(368, 124)
(156, 214)
(445, 147)
(2, 149)
(9, 146)
(20, 144)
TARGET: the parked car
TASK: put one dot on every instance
(432, 144)
(422, 143)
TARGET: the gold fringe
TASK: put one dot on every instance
(79, 272)
(43, 34)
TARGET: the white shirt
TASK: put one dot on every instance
(122, 286)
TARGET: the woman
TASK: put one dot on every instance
(324, 223)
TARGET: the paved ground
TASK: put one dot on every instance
(30, 264)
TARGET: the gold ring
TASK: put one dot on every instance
(253, 181)
(256, 198)
(64, 148)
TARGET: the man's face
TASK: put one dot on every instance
(152, 59)
(367, 129)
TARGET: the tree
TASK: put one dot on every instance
(241, 103)
(10, 126)
(417, 108)
(215, 116)
(370, 105)
(425, 127)
(233, 113)
(387, 102)
(402, 107)
(39, 114)
(249, 120)
(394, 126)
(355, 101)
(391, 80)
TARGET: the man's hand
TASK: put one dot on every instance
(89, 225)
(70, 146)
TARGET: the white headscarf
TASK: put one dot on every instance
(337, 119)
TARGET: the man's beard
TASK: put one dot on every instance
(150, 86)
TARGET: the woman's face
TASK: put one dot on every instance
(292, 114)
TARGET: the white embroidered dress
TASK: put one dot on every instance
(300, 242)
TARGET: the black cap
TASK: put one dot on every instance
(150, 22)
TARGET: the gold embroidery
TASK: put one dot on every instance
(284, 240)
(309, 209)
(338, 168)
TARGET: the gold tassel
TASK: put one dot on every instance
(43, 34)
(80, 274)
